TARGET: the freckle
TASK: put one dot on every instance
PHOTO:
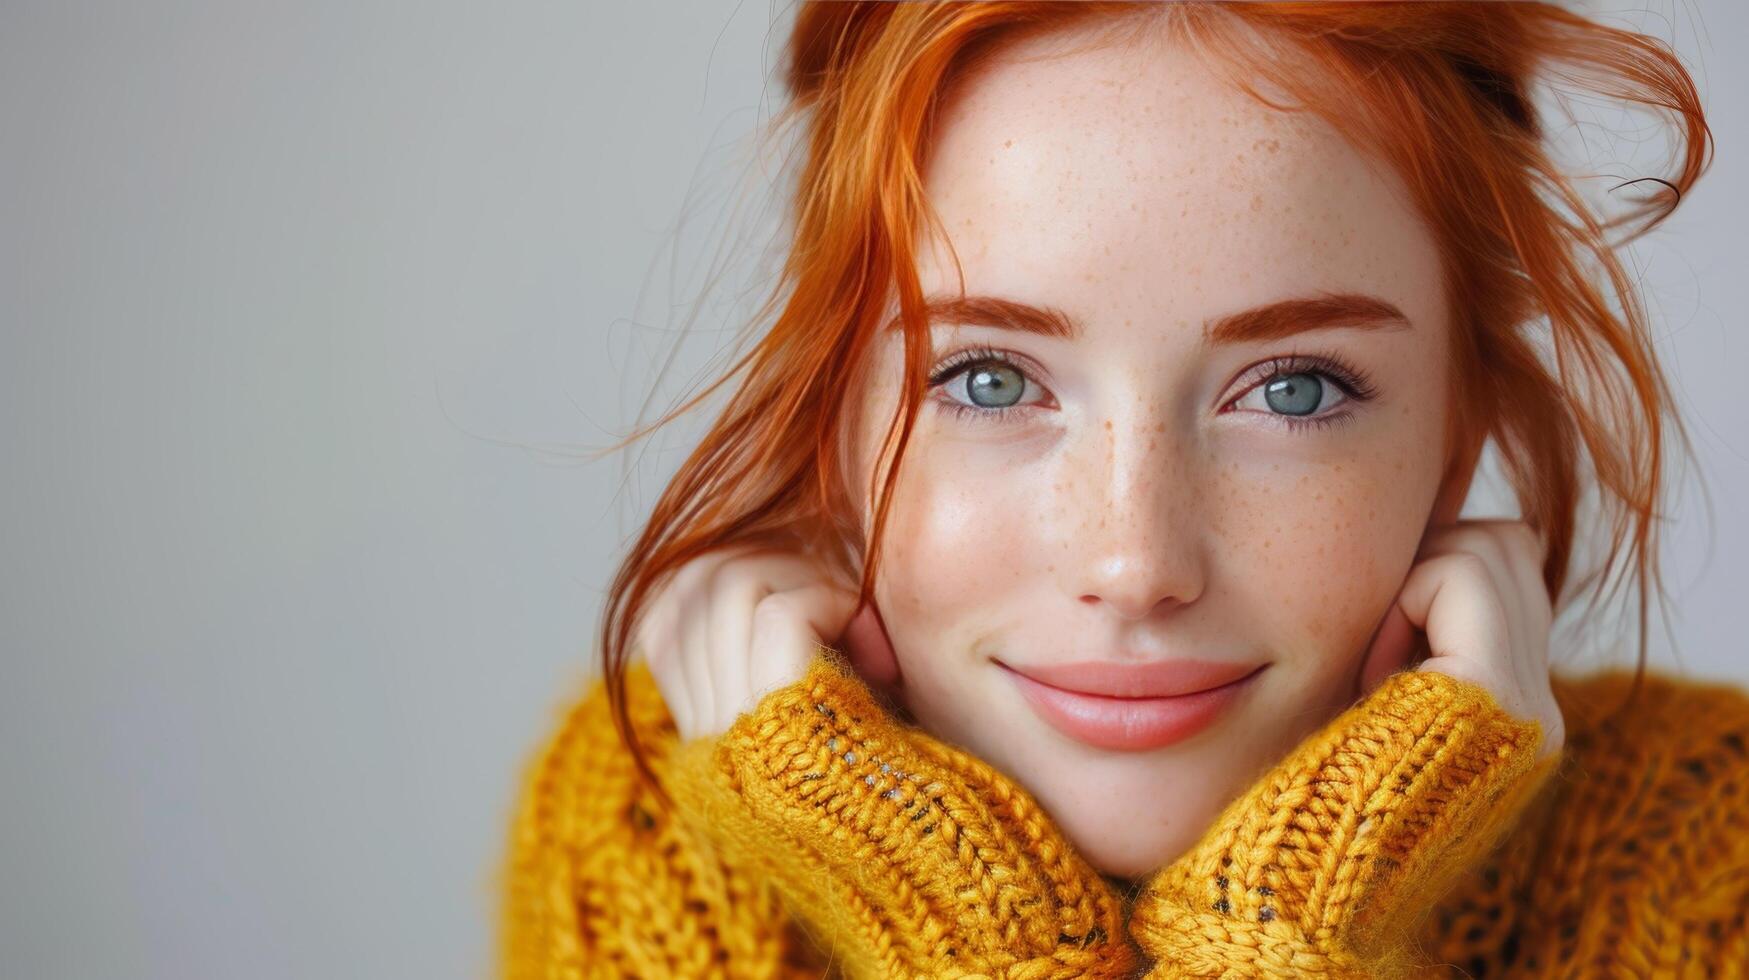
(1007, 143)
(1256, 202)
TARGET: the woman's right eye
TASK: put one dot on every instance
(986, 385)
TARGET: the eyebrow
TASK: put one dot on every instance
(1271, 321)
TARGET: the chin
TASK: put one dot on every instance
(1128, 846)
(1127, 813)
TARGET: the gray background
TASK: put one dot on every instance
(308, 313)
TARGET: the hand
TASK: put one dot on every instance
(904, 854)
(734, 625)
(1323, 867)
(1475, 606)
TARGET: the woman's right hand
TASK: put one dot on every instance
(733, 625)
(907, 856)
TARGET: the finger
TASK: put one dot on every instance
(1485, 539)
(695, 598)
(787, 628)
(1453, 600)
(1523, 547)
(1531, 546)
(1513, 552)
(656, 639)
(1514, 544)
(737, 587)
(659, 645)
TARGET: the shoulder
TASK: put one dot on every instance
(580, 781)
(1698, 725)
(1657, 777)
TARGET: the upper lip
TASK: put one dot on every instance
(1157, 679)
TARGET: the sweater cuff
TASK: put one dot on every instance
(908, 857)
(1324, 866)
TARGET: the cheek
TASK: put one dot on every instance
(961, 539)
(1319, 549)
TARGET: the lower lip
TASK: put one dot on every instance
(1129, 724)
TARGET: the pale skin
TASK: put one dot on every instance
(1133, 491)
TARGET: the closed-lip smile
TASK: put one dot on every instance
(1132, 706)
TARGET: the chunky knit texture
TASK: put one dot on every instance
(1416, 834)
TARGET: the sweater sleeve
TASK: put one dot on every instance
(601, 884)
(1325, 866)
(909, 857)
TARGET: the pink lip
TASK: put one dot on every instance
(1132, 706)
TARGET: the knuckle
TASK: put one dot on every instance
(685, 578)
(1467, 563)
(647, 636)
(774, 607)
(724, 572)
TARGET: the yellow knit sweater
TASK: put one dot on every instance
(1411, 836)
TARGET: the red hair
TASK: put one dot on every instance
(1439, 90)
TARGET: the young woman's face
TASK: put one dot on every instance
(1190, 470)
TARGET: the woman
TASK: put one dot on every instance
(1188, 324)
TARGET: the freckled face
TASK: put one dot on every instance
(1139, 492)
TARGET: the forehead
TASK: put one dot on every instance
(1119, 170)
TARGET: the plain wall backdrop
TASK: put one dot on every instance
(306, 310)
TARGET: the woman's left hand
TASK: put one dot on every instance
(1324, 866)
(1475, 607)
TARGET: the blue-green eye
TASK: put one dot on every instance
(1294, 394)
(985, 383)
(1300, 390)
(1303, 390)
(994, 385)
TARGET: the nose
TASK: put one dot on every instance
(1139, 546)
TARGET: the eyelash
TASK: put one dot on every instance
(1353, 382)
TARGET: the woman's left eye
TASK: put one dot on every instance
(1305, 394)
(1299, 394)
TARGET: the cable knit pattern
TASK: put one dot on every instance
(914, 858)
(1413, 835)
(1315, 870)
